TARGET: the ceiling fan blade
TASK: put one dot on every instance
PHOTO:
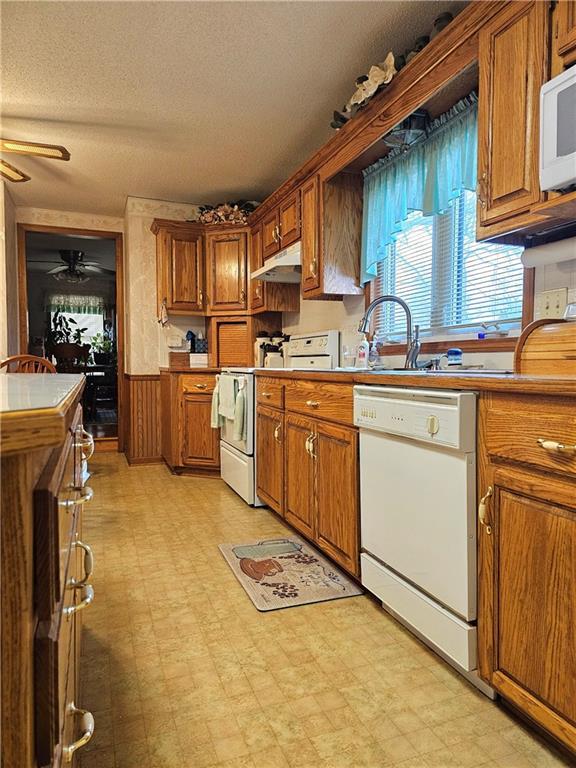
(43, 261)
(55, 271)
(97, 270)
(12, 174)
(52, 151)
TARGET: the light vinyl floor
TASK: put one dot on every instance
(181, 671)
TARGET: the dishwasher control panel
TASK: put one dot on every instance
(439, 417)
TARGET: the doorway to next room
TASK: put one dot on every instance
(71, 284)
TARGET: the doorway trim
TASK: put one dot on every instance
(22, 229)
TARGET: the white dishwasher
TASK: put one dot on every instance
(418, 513)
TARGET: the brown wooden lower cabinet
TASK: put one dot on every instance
(270, 457)
(200, 443)
(527, 542)
(188, 440)
(321, 486)
(300, 509)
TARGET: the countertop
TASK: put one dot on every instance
(488, 382)
(33, 407)
(182, 369)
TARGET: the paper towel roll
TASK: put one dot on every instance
(551, 253)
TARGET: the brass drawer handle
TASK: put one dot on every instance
(267, 395)
(482, 509)
(554, 447)
(88, 566)
(86, 494)
(312, 403)
(277, 433)
(311, 451)
(200, 386)
(87, 731)
(200, 298)
(88, 599)
(307, 444)
(314, 267)
(86, 443)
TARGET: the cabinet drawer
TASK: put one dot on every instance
(198, 383)
(270, 392)
(321, 399)
(516, 427)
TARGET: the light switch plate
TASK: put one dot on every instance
(550, 304)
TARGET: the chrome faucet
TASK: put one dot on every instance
(412, 339)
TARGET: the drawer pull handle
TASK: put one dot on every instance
(312, 438)
(267, 395)
(482, 509)
(277, 432)
(88, 566)
(86, 444)
(312, 403)
(87, 731)
(88, 599)
(86, 494)
(200, 386)
(554, 447)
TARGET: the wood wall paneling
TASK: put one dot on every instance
(144, 444)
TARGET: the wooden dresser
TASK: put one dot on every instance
(46, 568)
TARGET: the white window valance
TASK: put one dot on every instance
(80, 305)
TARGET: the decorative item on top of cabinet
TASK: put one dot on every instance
(180, 266)
(527, 556)
(227, 259)
(513, 65)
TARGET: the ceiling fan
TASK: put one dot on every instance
(50, 151)
(72, 267)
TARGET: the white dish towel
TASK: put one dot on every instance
(240, 415)
(227, 391)
(215, 418)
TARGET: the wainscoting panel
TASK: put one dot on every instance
(144, 439)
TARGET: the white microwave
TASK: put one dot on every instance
(558, 131)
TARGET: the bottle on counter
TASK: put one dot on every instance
(362, 353)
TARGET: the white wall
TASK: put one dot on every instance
(8, 275)
(147, 342)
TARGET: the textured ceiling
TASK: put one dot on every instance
(184, 101)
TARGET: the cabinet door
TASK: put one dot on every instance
(257, 287)
(337, 493)
(185, 272)
(200, 443)
(290, 220)
(566, 41)
(513, 66)
(270, 457)
(270, 234)
(227, 258)
(309, 236)
(528, 599)
(300, 506)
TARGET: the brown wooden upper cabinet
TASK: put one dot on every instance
(257, 287)
(180, 266)
(281, 226)
(310, 229)
(227, 258)
(566, 31)
(513, 64)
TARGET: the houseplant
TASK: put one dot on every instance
(102, 349)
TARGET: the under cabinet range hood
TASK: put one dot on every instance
(284, 267)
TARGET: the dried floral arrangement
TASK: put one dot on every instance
(380, 75)
(226, 213)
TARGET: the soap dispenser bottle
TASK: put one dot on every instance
(362, 353)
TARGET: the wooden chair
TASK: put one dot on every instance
(27, 364)
(70, 357)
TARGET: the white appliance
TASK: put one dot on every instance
(284, 267)
(418, 513)
(237, 457)
(558, 131)
(319, 350)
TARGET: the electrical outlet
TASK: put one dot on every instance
(550, 303)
